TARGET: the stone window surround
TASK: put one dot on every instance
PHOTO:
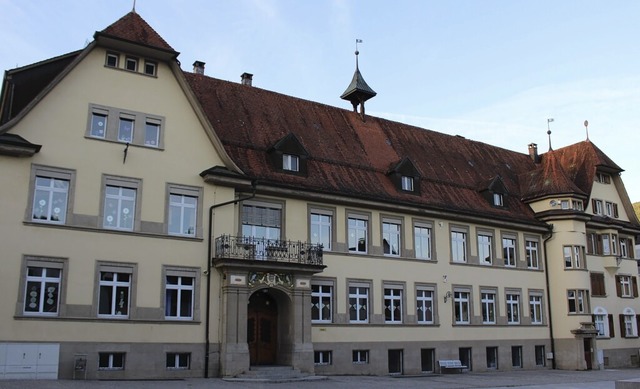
(48, 262)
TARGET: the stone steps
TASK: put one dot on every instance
(274, 374)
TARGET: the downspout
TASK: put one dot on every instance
(209, 263)
(546, 274)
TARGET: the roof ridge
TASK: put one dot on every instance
(133, 28)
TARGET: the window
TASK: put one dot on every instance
(261, 220)
(603, 178)
(488, 300)
(600, 322)
(492, 357)
(392, 305)
(178, 361)
(577, 301)
(606, 245)
(391, 238)
(424, 306)
(427, 360)
(42, 293)
(358, 232)
(358, 303)
(179, 296)
(535, 308)
(593, 244)
(120, 203)
(422, 234)
(321, 227)
(513, 308)
(509, 251)
(112, 60)
(125, 130)
(131, 64)
(111, 361)
(360, 356)
(573, 257)
(290, 162)
(540, 355)
(51, 190)
(516, 356)
(564, 204)
(407, 183)
(614, 244)
(120, 125)
(531, 252)
(485, 248)
(498, 199)
(597, 207)
(624, 247)
(461, 300)
(322, 357)
(184, 206)
(626, 286)
(150, 68)
(628, 323)
(321, 302)
(459, 246)
(578, 205)
(98, 124)
(114, 290)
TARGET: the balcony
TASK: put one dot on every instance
(268, 250)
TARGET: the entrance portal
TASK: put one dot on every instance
(262, 325)
(588, 353)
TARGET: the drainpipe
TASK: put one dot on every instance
(546, 274)
(209, 260)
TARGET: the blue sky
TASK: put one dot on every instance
(489, 70)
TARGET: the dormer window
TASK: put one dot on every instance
(407, 183)
(603, 178)
(289, 156)
(498, 199)
(131, 64)
(112, 60)
(290, 162)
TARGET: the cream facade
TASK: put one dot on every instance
(139, 242)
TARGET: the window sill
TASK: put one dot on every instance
(111, 231)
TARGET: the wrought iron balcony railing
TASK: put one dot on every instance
(262, 249)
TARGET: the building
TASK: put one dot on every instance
(163, 223)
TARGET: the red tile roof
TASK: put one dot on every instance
(549, 179)
(131, 27)
(350, 157)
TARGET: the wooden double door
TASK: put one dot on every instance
(262, 329)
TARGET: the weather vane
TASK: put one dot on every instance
(586, 127)
(549, 132)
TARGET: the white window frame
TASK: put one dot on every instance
(498, 200)
(359, 301)
(579, 297)
(48, 287)
(357, 230)
(290, 162)
(625, 286)
(598, 207)
(115, 57)
(510, 250)
(131, 64)
(181, 361)
(360, 357)
(423, 240)
(269, 225)
(601, 322)
(322, 357)
(488, 303)
(321, 228)
(111, 117)
(624, 251)
(321, 298)
(513, 307)
(111, 360)
(120, 199)
(535, 308)
(425, 305)
(459, 245)
(392, 234)
(630, 323)
(179, 289)
(532, 253)
(485, 247)
(393, 304)
(178, 197)
(150, 68)
(407, 183)
(462, 306)
(47, 207)
(114, 285)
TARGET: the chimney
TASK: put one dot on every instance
(246, 78)
(533, 152)
(198, 67)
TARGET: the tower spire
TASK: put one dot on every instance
(358, 91)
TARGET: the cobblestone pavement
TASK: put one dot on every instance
(557, 379)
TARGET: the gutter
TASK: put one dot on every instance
(208, 272)
(546, 274)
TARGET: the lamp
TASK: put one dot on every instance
(447, 296)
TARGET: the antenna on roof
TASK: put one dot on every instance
(549, 132)
(586, 127)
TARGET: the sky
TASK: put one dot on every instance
(493, 71)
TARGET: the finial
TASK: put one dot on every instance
(134, 7)
(586, 127)
(357, 52)
(549, 132)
